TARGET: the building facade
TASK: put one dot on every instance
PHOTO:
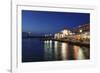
(82, 28)
(63, 34)
(82, 32)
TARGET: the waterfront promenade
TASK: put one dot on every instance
(70, 41)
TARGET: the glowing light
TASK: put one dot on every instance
(80, 30)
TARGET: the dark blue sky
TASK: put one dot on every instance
(51, 22)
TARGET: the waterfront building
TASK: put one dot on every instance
(82, 32)
(63, 34)
(82, 28)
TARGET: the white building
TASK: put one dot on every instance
(64, 33)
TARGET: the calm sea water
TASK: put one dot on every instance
(35, 50)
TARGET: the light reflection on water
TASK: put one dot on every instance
(35, 50)
(54, 50)
(78, 53)
(64, 47)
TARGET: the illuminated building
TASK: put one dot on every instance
(82, 28)
(63, 34)
(83, 32)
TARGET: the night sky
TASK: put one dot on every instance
(51, 22)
